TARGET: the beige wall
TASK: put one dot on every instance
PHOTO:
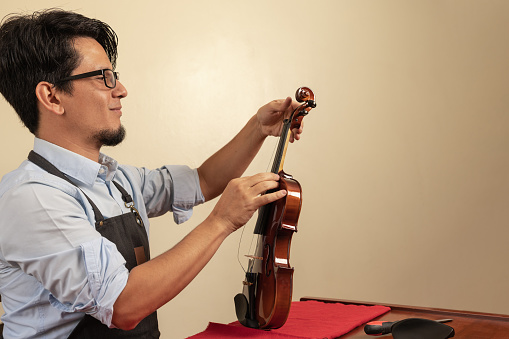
(404, 163)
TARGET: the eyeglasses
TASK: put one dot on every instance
(110, 78)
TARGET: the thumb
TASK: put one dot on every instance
(285, 104)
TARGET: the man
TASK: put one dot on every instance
(73, 233)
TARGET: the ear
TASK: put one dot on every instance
(49, 97)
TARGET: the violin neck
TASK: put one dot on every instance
(279, 158)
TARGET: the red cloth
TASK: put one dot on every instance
(307, 320)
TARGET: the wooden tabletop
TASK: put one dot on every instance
(467, 325)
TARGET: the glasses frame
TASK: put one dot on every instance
(116, 76)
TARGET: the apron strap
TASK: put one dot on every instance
(50, 168)
(128, 202)
(125, 196)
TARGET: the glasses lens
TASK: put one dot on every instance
(110, 78)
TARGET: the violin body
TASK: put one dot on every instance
(275, 279)
(267, 294)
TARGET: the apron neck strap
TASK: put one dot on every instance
(50, 168)
(125, 196)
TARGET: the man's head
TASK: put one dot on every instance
(41, 48)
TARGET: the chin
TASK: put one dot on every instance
(111, 137)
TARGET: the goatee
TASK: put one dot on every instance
(111, 137)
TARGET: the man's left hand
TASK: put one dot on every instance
(271, 116)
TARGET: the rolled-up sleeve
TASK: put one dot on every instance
(106, 277)
(174, 188)
(55, 245)
(186, 192)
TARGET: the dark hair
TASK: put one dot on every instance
(39, 47)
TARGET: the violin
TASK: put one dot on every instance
(267, 293)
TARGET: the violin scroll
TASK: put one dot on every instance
(307, 97)
(304, 94)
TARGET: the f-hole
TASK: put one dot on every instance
(268, 262)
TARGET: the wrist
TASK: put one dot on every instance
(219, 224)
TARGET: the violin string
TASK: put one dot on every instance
(238, 249)
(273, 156)
(250, 250)
(276, 142)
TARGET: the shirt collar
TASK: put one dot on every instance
(74, 165)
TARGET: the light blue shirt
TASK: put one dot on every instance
(54, 265)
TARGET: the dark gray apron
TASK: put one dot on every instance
(128, 233)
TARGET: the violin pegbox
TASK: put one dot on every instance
(307, 97)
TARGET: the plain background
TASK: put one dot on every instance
(404, 164)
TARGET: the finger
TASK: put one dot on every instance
(296, 132)
(264, 186)
(261, 177)
(291, 107)
(283, 107)
(295, 135)
(295, 105)
(270, 197)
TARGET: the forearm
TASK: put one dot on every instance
(159, 280)
(230, 161)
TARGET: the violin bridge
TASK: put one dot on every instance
(253, 257)
(247, 283)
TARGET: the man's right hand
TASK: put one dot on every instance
(243, 196)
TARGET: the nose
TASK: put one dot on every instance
(119, 91)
